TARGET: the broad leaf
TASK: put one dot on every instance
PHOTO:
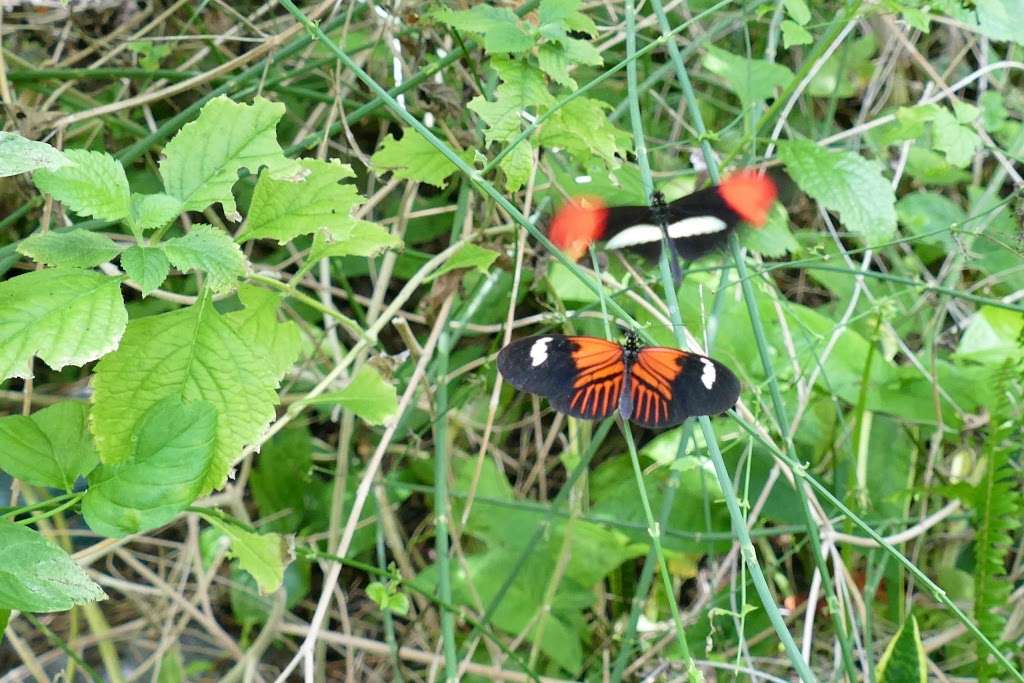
(582, 128)
(795, 34)
(74, 249)
(151, 211)
(174, 448)
(517, 165)
(51, 447)
(148, 266)
(904, 660)
(954, 139)
(63, 315)
(753, 80)
(278, 343)
(37, 576)
(194, 353)
(992, 337)
(467, 256)
(499, 27)
(361, 238)
(774, 240)
(846, 183)
(21, 155)
(283, 209)
(367, 395)
(263, 556)
(522, 87)
(209, 250)
(201, 163)
(997, 19)
(93, 185)
(415, 158)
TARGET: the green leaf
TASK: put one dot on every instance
(263, 556)
(795, 34)
(174, 450)
(904, 660)
(249, 607)
(930, 216)
(582, 128)
(21, 155)
(148, 266)
(367, 395)
(844, 73)
(151, 211)
(277, 342)
(194, 353)
(93, 185)
(37, 576)
(753, 80)
(523, 87)
(516, 165)
(798, 10)
(467, 256)
(774, 240)
(931, 168)
(74, 249)
(361, 239)
(997, 19)
(202, 161)
(993, 111)
(958, 142)
(992, 337)
(63, 315)
(387, 598)
(50, 447)
(846, 183)
(210, 250)
(553, 60)
(499, 27)
(283, 209)
(414, 158)
(284, 488)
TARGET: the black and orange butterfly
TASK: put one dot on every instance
(589, 377)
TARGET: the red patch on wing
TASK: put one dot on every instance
(750, 194)
(577, 225)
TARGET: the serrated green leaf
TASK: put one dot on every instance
(64, 316)
(798, 10)
(362, 239)
(74, 249)
(151, 211)
(283, 209)
(846, 183)
(21, 155)
(263, 556)
(931, 168)
(498, 25)
(517, 165)
(194, 353)
(37, 576)
(367, 395)
(467, 256)
(50, 447)
(794, 34)
(148, 266)
(581, 51)
(992, 337)
(552, 60)
(753, 80)
(173, 452)
(582, 128)
(278, 342)
(904, 660)
(956, 141)
(93, 185)
(522, 87)
(201, 163)
(210, 250)
(414, 158)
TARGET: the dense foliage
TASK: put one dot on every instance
(257, 262)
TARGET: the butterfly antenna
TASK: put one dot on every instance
(660, 211)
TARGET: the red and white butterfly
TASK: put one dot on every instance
(697, 223)
(591, 378)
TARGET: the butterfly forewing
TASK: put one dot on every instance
(581, 376)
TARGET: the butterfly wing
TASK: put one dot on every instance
(669, 385)
(580, 376)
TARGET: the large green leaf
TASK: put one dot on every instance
(93, 185)
(263, 556)
(367, 395)
(846, 183)
(37, 576)
(277, 342)
(21, 155)
(75, 249)
(174, 447)
(753, 80)
(51, 447)
(209, 250)
(64, 316)
(201, 163)
(415, 158)
(197, 354)
(992, 337)
(148, 266)
(499, 27)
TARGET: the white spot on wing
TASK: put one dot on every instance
(708, 376)
(698, 225)
(637, 234)
(539, 351)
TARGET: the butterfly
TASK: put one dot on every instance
(591, 378)
(696, 224)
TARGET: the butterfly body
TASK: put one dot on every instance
(591, 378)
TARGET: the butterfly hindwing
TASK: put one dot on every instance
(580, 376)
(669, 385)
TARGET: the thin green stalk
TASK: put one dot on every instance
(389, 622)
(444, 585)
